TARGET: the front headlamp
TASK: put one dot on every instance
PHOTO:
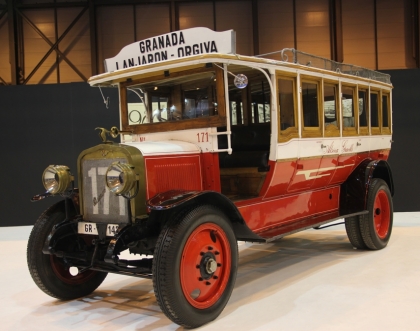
(120, 178)
(56, 178)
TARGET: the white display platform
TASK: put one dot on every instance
(313, 280)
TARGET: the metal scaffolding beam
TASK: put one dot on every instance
(53, 45)
(3, 11)
(93, 38)
(13, 44)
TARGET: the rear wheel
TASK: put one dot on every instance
(353, 232)
(376, 226)
(50, 273)
(194, 266)
(373, 230)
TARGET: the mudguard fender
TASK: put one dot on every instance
(353, 193)
(180, 198)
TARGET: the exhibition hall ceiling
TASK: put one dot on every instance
(57, 41)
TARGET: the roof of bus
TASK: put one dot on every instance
(300, 62)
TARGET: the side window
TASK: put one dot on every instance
(348, 110)
(331, 122)
(385, 113)
(310, 109)
(374, 112)
(287, 107)
(250, 105)
(236, 106)
(363, 112)
(260, 101)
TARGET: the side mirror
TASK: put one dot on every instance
(240, 81)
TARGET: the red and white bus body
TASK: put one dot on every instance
(215, 147)
(307, 171)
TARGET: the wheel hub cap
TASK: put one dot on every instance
(211, 266)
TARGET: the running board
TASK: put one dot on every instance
(292, 227)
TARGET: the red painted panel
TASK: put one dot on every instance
(267, 181)
(326, 171)
(328, 200)
(175, 172)
(210, 171)
(265, 214)
(379, 154)
(360, 157)
(345, 166)
(304, 177)
(280, 180)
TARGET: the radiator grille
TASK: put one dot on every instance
(99, 204)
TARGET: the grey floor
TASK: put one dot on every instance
(313, 280)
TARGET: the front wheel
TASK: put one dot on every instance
(194, 266)
(50, 273)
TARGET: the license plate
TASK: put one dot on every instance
(90, 228)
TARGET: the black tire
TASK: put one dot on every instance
(190, 289)
(354, 233)
(376, 226)
(49, 272)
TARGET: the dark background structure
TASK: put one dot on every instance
(43, 125)
(49, 48)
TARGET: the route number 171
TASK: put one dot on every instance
(203, 137)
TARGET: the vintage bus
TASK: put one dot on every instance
(215, 148)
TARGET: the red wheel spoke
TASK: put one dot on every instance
(205, 265)
(381, 214)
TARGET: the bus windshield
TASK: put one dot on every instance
(172, 99)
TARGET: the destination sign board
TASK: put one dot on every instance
(174, 45)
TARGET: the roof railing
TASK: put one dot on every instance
(294, 56)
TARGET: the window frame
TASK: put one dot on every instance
(353, 130)
(375, 130)
(311, 131)
(364, 130)
(387, 129)
(194, 123)
(292, 131)
(333, 130)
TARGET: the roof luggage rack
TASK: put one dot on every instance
(298, 57)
